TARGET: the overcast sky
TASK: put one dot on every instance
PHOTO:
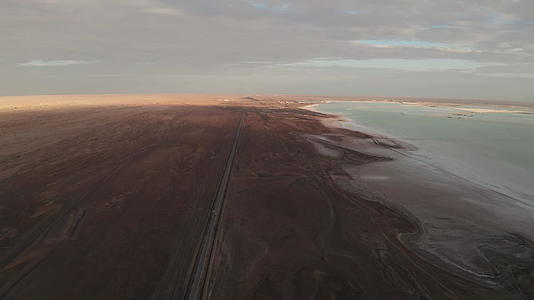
(448, 48)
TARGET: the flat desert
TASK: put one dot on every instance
(228, 197)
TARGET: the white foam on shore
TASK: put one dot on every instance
(487, 110)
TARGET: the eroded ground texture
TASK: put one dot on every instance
(110, 200)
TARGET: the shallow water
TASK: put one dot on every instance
(494, 149)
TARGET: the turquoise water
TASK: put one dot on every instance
(493, 149)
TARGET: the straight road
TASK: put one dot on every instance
(197, 281)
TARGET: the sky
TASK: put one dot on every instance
(423, 48)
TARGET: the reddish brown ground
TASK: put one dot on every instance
(109, 201)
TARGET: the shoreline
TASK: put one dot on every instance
(385, 178)
(528, 106)
(13, 103)
(444, 162)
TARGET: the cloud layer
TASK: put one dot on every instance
(51, 63)
(468, 49)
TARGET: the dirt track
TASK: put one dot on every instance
(110, 202)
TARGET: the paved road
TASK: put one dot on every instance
(197, 281)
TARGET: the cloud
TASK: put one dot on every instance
(230, 40)
(274, 8)
(417, 65)
(440, 27)
(392, 44)
(153, 7)
(51, 63)
(398, 43)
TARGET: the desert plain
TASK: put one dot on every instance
(229, 197)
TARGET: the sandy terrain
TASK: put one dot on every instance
(108, 197)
